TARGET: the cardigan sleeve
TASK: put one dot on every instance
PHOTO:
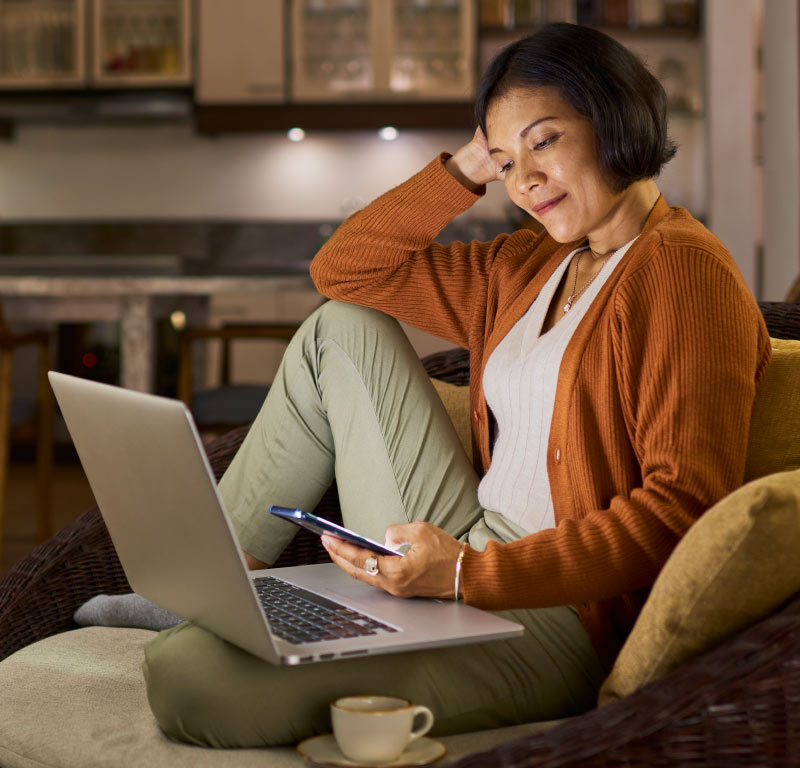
(689, 349)
(384, 257)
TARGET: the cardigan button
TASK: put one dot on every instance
(558, 454)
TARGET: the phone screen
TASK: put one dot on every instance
(320, 525)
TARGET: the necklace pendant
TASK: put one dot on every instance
(568, 305)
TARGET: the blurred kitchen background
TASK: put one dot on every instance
(169, 165)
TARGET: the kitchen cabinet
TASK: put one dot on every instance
(42, 44)
(382, 50)
(80, 44)
(657, 15)
(141, 43)
(241, 51)
(275, 64)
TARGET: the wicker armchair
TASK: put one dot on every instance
(737, 705)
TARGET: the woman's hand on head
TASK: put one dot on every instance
(427, 570)
(472, 164)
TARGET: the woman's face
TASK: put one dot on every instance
(548, 156)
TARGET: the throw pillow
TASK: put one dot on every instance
(774, 443)
(736, 563)
(456, 402)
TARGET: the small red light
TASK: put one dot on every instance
(89, 360)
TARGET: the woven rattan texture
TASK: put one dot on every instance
(452, 365)
(40, 594)
(782, 319)
(737, 706)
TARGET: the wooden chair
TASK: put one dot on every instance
(20, 418)
(228, 404)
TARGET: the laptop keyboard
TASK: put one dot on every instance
(300, 616)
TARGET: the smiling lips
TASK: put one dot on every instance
(548, 205)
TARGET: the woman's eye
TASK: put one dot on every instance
(546, 142)
(506, 166)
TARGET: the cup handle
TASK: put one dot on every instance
(426, 725)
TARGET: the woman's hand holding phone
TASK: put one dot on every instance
(427, 570)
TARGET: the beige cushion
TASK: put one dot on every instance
(736, 563)
(77, 700)
(456, 401)
(774, 444)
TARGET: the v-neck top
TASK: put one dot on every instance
(519, 383)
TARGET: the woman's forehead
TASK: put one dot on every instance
(520, 106)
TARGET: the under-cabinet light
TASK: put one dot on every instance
(388, 133)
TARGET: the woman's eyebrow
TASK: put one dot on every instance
(525, 131)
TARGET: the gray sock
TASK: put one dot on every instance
(130, 610)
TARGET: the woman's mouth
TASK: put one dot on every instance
(547, 205)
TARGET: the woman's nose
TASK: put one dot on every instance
(530, 176)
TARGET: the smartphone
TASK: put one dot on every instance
(320, 525)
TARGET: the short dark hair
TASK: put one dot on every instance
(603, 81)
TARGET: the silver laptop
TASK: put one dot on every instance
(157, 494)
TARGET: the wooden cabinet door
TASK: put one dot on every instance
(240, 51)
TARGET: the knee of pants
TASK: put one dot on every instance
(334, 317)
(172, 684)
(192, 678)
(203, 690)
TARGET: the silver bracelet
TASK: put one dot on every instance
(458, 570)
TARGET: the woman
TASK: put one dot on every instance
(599, 352)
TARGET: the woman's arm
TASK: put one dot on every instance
(384, 256)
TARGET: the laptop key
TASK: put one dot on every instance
(300, 616)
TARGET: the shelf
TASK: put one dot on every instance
(89, 105)
(152, 105)
(667, 31)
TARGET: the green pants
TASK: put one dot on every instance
(352, 400)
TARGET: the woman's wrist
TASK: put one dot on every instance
(457, 582)
(454, 169)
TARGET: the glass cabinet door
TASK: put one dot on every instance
(141, 42)
(382, 49)
(333, 49)
(432, 48)
(42, 43)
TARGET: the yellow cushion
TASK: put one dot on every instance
(774, 444)
(736, 563)
(456, 402)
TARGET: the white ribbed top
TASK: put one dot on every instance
(519, 382)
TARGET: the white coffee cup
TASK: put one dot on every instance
(376, 729)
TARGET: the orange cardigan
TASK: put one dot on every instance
(654, 394)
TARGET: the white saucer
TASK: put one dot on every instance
(323, 750)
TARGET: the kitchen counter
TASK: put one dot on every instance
(134, 301)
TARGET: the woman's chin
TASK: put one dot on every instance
(563, 234)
